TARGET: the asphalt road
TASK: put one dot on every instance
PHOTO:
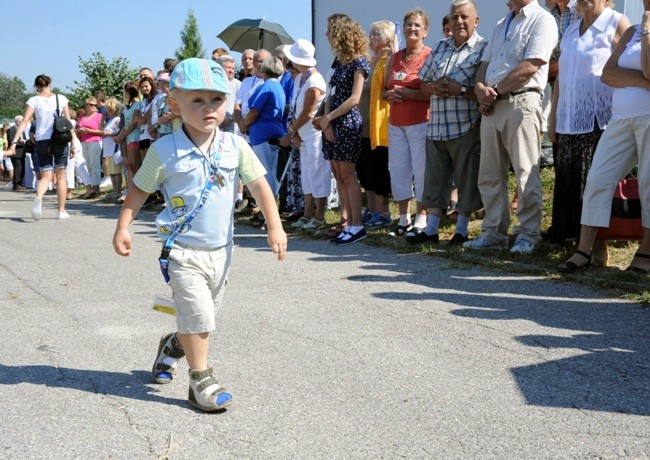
(338, 352)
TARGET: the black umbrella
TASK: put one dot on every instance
(254, 34)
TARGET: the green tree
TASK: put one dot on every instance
(192, 46)
(12, 96)
(101, 74)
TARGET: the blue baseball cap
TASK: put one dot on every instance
(199, 74)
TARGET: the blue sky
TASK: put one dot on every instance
(50, 40)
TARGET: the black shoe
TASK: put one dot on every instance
(457, 239)
(452, 208)
(258, 218)
(148, 202)
(400, 230)
(239, 206)
(421, 238)
(336, 239)
(361, 234)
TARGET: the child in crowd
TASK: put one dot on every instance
(197, 167)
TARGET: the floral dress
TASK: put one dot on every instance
(346, 127)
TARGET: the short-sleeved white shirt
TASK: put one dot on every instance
(245, 90)
(532, 34)
(44, 108)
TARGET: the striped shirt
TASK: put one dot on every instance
(454, 116)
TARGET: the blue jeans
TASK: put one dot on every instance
(268, 156)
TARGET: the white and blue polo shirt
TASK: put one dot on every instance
(177, 165)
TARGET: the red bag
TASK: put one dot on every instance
(625, 223)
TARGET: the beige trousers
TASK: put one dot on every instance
(511, 135)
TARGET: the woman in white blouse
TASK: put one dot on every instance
(582, 107)
(308, 93)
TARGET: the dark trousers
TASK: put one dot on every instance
(283, 157)
(19, 169)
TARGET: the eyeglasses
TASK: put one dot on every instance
(91, 105)
(374, 34)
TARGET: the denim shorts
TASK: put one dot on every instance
(51, 156)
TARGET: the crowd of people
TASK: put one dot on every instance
(444, 125)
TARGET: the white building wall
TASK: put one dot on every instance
(365, 12)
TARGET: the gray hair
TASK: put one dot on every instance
(225, 58)
(272, 66)
(18, 118)
(456, 3)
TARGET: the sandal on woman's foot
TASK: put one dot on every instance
(205, 392)
(638, 270)
(169, 352)
(572, 267)
(333, 232)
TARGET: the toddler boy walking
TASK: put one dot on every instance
(198, 168)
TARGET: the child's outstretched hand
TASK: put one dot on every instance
(278, 242)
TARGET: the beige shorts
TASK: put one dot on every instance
(198, 280)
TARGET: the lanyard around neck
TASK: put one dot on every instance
(510, 18)
(179, 224)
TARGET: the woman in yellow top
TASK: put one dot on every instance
(372, 168)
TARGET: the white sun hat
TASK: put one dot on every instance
(301, 53)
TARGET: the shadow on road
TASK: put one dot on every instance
(605, 363)
(132, 385)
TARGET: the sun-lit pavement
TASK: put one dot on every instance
(339, 352)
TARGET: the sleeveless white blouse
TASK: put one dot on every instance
(583, 97)
(631, 101)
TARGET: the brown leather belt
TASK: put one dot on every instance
(518, 93)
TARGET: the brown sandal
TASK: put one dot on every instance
(333, 232)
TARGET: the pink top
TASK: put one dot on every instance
(409, 111)
(90, 123)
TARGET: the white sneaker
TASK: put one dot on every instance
(300, 222)
(523, 246)
(64, 215)
(482, 242)
(106, 182)
(36, 208)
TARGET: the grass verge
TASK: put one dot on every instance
(541, 263)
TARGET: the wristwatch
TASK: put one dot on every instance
(496, 90)
(463, 90)
(645, 31)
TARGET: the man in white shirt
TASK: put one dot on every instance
(228, 64)
(509, 87)
(247, 87)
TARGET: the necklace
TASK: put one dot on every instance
(408, 63)
(410, 56)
